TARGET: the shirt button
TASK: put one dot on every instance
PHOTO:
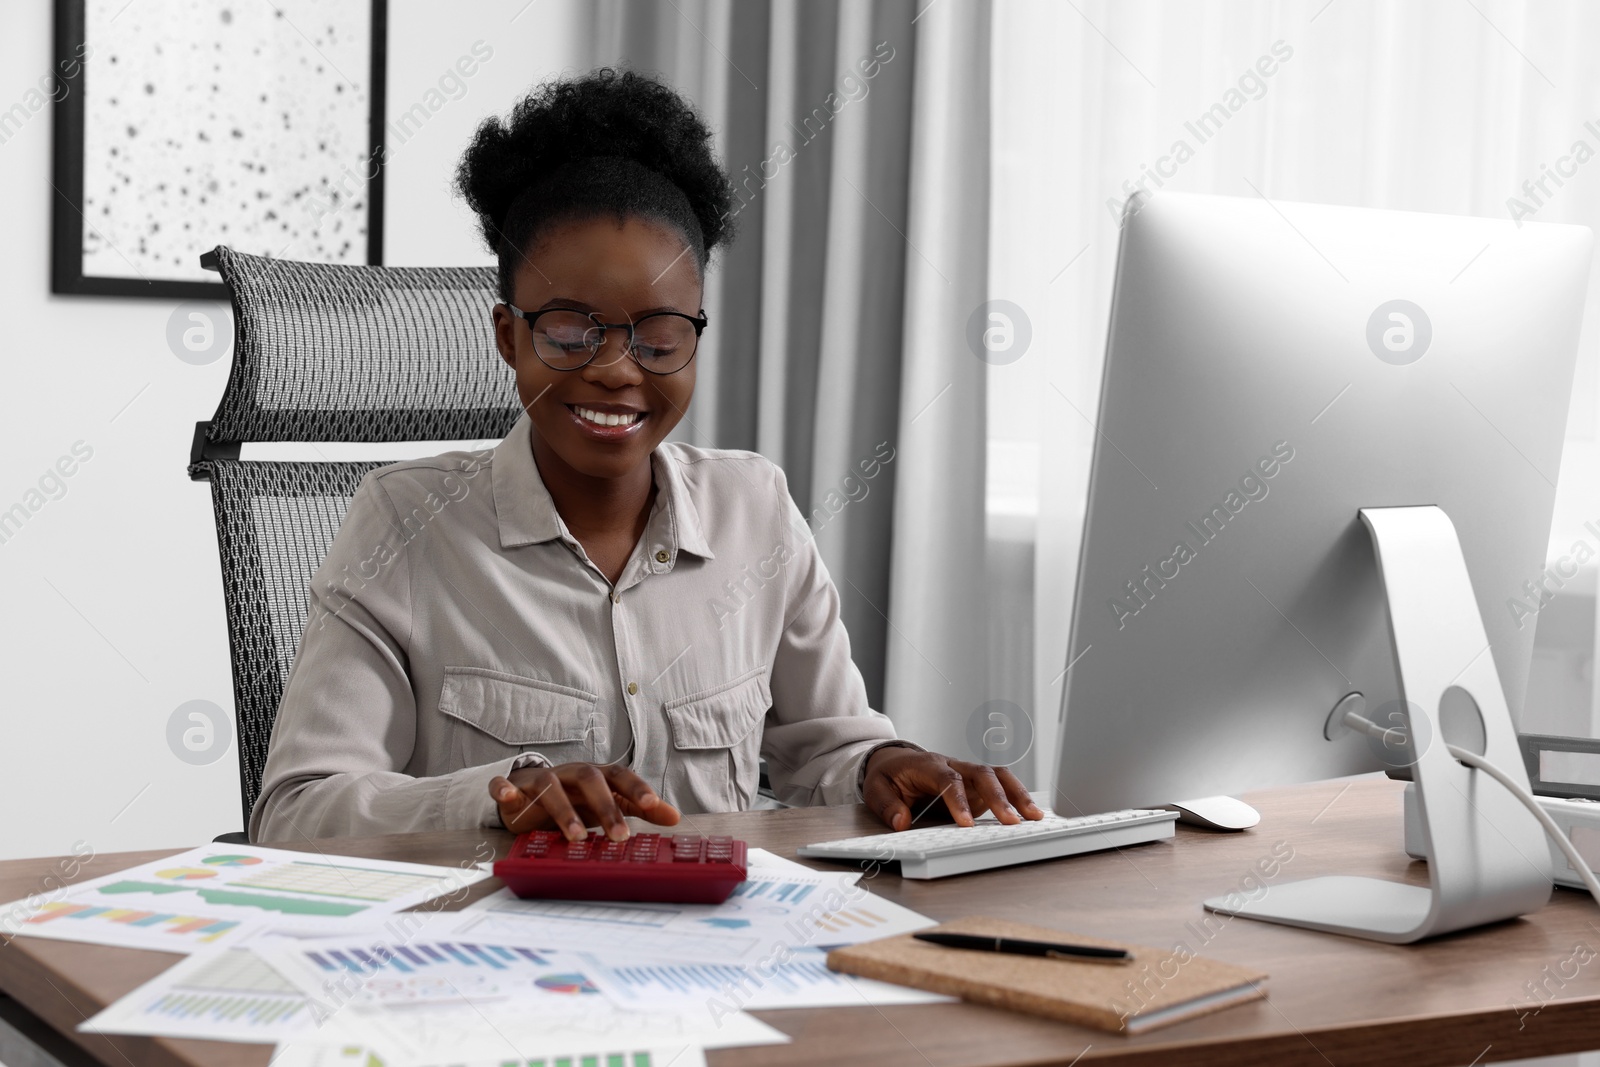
(662, 556)
(633, 687)
(616, 598)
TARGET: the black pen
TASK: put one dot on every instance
(1015, 946)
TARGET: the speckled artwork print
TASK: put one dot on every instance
(209, 123)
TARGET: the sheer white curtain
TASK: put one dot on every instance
(1442, 106)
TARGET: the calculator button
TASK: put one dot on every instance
(684, 868)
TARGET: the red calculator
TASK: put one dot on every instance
(664, 868)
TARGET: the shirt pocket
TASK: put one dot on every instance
(715, 763)
(497, 715)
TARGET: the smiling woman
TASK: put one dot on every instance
(546, 650)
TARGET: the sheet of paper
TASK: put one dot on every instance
(219, 994)
(214, 894)
(816, 909)
(364, 971)
(412, 996)
(768, 911)
(803, 980)
(430, 1034)
(610, 1054)
(761, 859)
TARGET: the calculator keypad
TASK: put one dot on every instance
(679, 868)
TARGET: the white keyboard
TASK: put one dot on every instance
(937, 851)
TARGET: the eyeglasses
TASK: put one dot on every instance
(662, 342)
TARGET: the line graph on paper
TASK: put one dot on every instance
(338, 880)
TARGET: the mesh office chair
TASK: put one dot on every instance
(327, 353)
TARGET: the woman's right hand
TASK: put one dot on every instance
(571, 797)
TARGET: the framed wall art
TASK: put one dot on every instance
(184, 124)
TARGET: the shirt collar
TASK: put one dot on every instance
(527, 515)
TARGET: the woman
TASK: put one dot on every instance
(588, 623)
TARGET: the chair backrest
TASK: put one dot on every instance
(327, 353)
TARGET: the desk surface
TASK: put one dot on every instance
(1526, 988)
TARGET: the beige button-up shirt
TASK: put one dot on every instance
(457, 629)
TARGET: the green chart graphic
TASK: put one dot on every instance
(340, 880)
(287, 905)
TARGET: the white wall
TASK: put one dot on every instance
(112, 601)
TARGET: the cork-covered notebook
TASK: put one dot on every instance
(1159, 987)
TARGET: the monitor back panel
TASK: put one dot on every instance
(1258, 390)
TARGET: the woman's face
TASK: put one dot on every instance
(622, 273)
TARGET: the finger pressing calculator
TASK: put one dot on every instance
(664, 868)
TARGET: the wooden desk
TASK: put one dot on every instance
(1463, 999)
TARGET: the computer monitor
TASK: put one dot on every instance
(1272, 369)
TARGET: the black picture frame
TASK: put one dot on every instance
(67, 159)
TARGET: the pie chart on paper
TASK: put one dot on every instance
(232, 861)
(565, 983)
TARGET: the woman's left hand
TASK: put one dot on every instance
(900, 779)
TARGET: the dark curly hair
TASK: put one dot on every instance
(605, 143)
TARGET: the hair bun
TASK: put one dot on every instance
(604, 113)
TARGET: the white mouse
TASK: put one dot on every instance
(1215, 813)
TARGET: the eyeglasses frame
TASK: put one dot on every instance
(700, 322)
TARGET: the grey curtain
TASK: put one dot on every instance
(856, 133)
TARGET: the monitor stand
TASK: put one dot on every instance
(1487, 859)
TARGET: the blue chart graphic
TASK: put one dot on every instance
(727, 924)
(689, 979)
(421, 957)
(788, 892)
(211, 1006)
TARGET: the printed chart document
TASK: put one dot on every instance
(373, 970)
(427, 994)
(770, 909)
(761, 859)
(234, 994)
(429, 1035)
(798, 979)
(218, 894)
(218, 994)
(608, 1054)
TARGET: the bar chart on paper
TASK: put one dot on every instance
(789, 893)
(430, 969)
(235, 986)
(852, 920)
(424, 957)
(800, 980)
(195, 929)
(226, 995)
